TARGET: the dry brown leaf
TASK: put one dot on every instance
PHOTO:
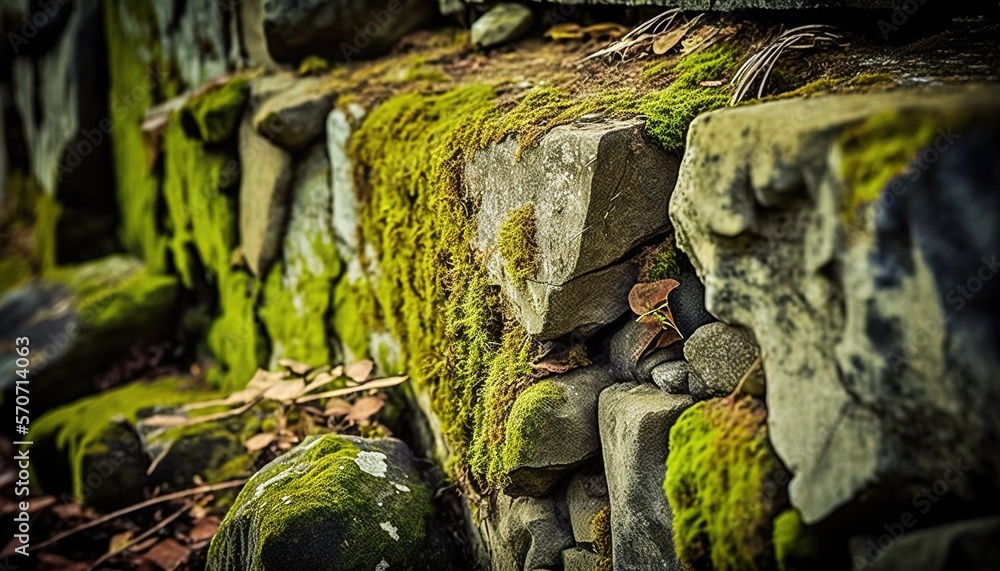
(286, 390)
(373, 384)
(609, 30)
(365, 408)
(260, 441)
(68, 511)
(119, 541)
(294, 366)
(360, 370)
(713, 83)
(244, 396)
(164, 420)
(666, 42)
(337, 407)
(567, 31)
(560, 362)
(204, 529)
(650, 332)
(648, 297)
(321, 380)
(168, 555)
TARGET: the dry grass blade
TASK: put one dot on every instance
(375, 384)
(652, 27)
(758, 67)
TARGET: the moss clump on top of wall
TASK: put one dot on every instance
(601, 526)
(79, 428)
(213, 114)
(722, 486)
(517, 246)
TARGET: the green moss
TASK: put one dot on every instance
(138, 80)
(719, 482)
(527, 418)
(517, 246)
(234, 339)
(13, 271)
(660, 262)
(296, 316)
(353, 316)
(214, 113)
(423, 72)
(879, 149)
(867, 79)
(47, 212)
(601, 527)
(313, 65)
(316, 505)
(80, 428)
(795, 546)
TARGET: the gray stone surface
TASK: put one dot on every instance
(687, 304)
(598, 190)
(527, 533)
(555, 434)
(673, 376)
(194, 36)
(586, 495)
(863, 335)
(264, 188)
(721, 355)
(626, 342)
(505, 22)
(339, 125)
(970, 545)
(251, 15)
(300, 111)
(579, 559)
(635, 420)
(340, 29)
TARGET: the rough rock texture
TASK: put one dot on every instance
(674, 377)
(503, 23)
(721, 355)
(552, 429)
(597, 191)
(579, 559)
(340, 29)
(687, 304)
(264, 188)
(635, 420)
(626, 342)
(527, 533)
(294, 118)
(339, 125)
(586, 495)
(972, 545)
(80, 319)
(875, 348)
(333, 500)
(195, 36)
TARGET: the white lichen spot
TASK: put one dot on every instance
(382, 565)
(390, 529)
(401, 487)
(372, 463)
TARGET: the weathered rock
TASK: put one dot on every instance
(579, 559)
(552, 428)
(635, 420)
(341, 29)
(338, 502)
(194, 36)
(626, 342)
(721, 355)
(586, 495)
(594, 192)
(264, 188)
(339, 125)
(214, 113)
(505, 22)
(297, 292)
(970, 545)
(687, 304)
(849, 278)
(80, 319)
(300, 110)
(673, 377)
(528, 533)
(251, 15)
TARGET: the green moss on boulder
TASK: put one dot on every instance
(333, 502)
(214, 113)
(722, 486)
(517, 246)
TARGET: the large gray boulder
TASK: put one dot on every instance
(334, 502)
(300, 109)
(552, 428)
(343, 30)
(877, 321)
(635, 421)
(591, 192)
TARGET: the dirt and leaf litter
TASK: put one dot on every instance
(171, 531)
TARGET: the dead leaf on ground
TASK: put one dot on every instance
(666, 42)
(338, 407)
(204, 529)
(54, 562)
(321, 380)
(647, 297)
(360, 370)
(562, 361)
(119, 541)
(608, 30)
(68, 511)
(365, 408)
(260, 441)
(294, 366)
(168, 555)
(285, 391)
(649, 301)
(164, 420)
(567, 31)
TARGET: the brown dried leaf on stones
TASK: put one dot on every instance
(285, 391)
(119, 541)
(666, 42)
(337, 407)
(365, 408)
(562, 360)
(359, 371)
(294, 366)
(260, 441)
(168, 555)
(649, 301)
